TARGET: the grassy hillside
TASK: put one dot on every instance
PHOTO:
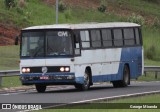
(36, 12)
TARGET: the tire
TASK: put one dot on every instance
(77, 86)
(126, 78)
(40, 88)
(86, 84)
(116, 84)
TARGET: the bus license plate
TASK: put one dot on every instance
(44, 77)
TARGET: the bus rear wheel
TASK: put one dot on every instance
(40, 88)
(126, 78)
(86, 83)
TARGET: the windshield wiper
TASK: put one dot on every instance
(37, 52)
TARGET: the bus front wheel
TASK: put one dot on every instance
(86, 83)
(40, 88)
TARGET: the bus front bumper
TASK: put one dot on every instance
(49, 78)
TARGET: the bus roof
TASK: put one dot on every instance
(84, 26)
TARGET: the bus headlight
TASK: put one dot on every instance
(67, 69)
(25, 70)
(64, 69)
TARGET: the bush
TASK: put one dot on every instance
(19, 10)
(68, 14)
(102, 7)
(62, 7)
(151, 52)
(153, 1)
(9, 3)
(21, 3)
(156, 22)
(136, 19)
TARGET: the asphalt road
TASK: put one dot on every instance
(68, 94)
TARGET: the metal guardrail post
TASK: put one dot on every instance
(145, 73)
(156, 75)
(0, 81)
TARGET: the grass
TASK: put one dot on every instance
(88, 107)
(151, 39)
(150, 76)
(9, 57)
(8, 82)
(148, 62)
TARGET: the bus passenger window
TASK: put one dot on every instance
(107, 38)
(118, 41)
(96, 38)
(137, 36)
(85, 39)
(129, 36)
(76, 44)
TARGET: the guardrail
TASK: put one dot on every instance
(10, 73)
(155, 69)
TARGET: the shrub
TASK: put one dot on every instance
(9, 3)
(156, 22)
(68, 14)
(151, 52)
(62, 7)
(153, 1)
(21, 3)
(136, 19)
(19, 10)
(102, 7)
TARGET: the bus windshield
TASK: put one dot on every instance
(49, 43)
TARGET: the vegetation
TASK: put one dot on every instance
(62, 7)
(102, 7)
(9, 3)
(9, 57)
(140, 12)
(8, 82)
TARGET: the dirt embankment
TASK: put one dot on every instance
(7, 35)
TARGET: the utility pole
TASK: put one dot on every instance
(57, 11)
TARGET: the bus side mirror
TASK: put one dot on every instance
(16, 40)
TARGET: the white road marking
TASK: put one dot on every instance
(119, 96)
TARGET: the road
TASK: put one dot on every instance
(67, 94)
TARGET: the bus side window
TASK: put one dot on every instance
(118, 39)
(85, 39)
(107, 37)
(129, 37)
(77, 44)
(137, 36)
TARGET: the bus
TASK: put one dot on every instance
(81, 54)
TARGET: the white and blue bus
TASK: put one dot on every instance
(81, 54)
